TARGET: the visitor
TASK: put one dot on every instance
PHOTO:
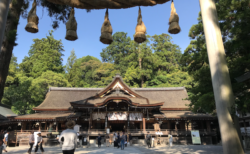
(122, 141)
(39, 143)
(130, 139)
(6, 138)
(126, 139)
(148, 140)
(31, 141)
(118, 140)
(2, 147)
(69, 137)
(114, 139)
(107, 140)
(99, 139)
(170, 140)
(2, 135)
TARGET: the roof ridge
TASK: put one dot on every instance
(151, 88)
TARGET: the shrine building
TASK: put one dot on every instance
(118, 107)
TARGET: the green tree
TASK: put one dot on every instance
(19, 8)
(233, 18)
(70, 62)
(45, 54)
(117, 51)
(82, 72)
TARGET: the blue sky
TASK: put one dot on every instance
(155, 19)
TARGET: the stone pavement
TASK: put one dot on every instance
(175, 149)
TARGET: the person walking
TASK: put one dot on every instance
(130, 139)
(2, 135)
(148, 140)
(69, 138)
(118, 140)
(170, 140)
(99, 139)
(31, 141)
(2, 147)
(6, 138)
(39, 143)
(126, 139)
(122, 141)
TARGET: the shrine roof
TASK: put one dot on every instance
(46, 116)
(181, 114)
(61, 98)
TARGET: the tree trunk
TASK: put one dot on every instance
(142, 81)
(223, 93)
(4, 8)
(9, 41)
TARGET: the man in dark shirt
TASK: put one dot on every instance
(99, 138)
(148, 140)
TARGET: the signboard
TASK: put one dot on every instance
(196, 137)
(108, 131)
(117, 116)
(135, 116)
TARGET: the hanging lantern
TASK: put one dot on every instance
(32, 25)
(140, 29)
(71, 27)
(174, 27)
(106, 36)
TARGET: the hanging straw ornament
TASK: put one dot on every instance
(140, 29)
(174, 27)
(106, 31)
(71, 27)
(32, 25)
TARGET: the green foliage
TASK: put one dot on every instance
(233, 19)
(45, 54)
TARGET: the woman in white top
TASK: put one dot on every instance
(69, 138)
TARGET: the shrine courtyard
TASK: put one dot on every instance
(175, 149)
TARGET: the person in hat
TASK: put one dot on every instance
(148, 140)
(39, 143)
(69, 137)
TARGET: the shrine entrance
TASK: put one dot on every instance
(119, 126)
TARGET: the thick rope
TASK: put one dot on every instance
(111, 4)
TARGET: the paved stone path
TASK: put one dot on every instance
(176, 149)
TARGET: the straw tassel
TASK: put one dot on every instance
(32, 25)
(106, 30)
(174, 27)
(140, 29)
(71, 27)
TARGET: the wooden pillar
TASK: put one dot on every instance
(90, 121)
(208, 126)
(169, 124)
(202, 125)
(144, 124)
(30, 125)
(46, 128)
(56, 126)
(39, 128)
(224, 97)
